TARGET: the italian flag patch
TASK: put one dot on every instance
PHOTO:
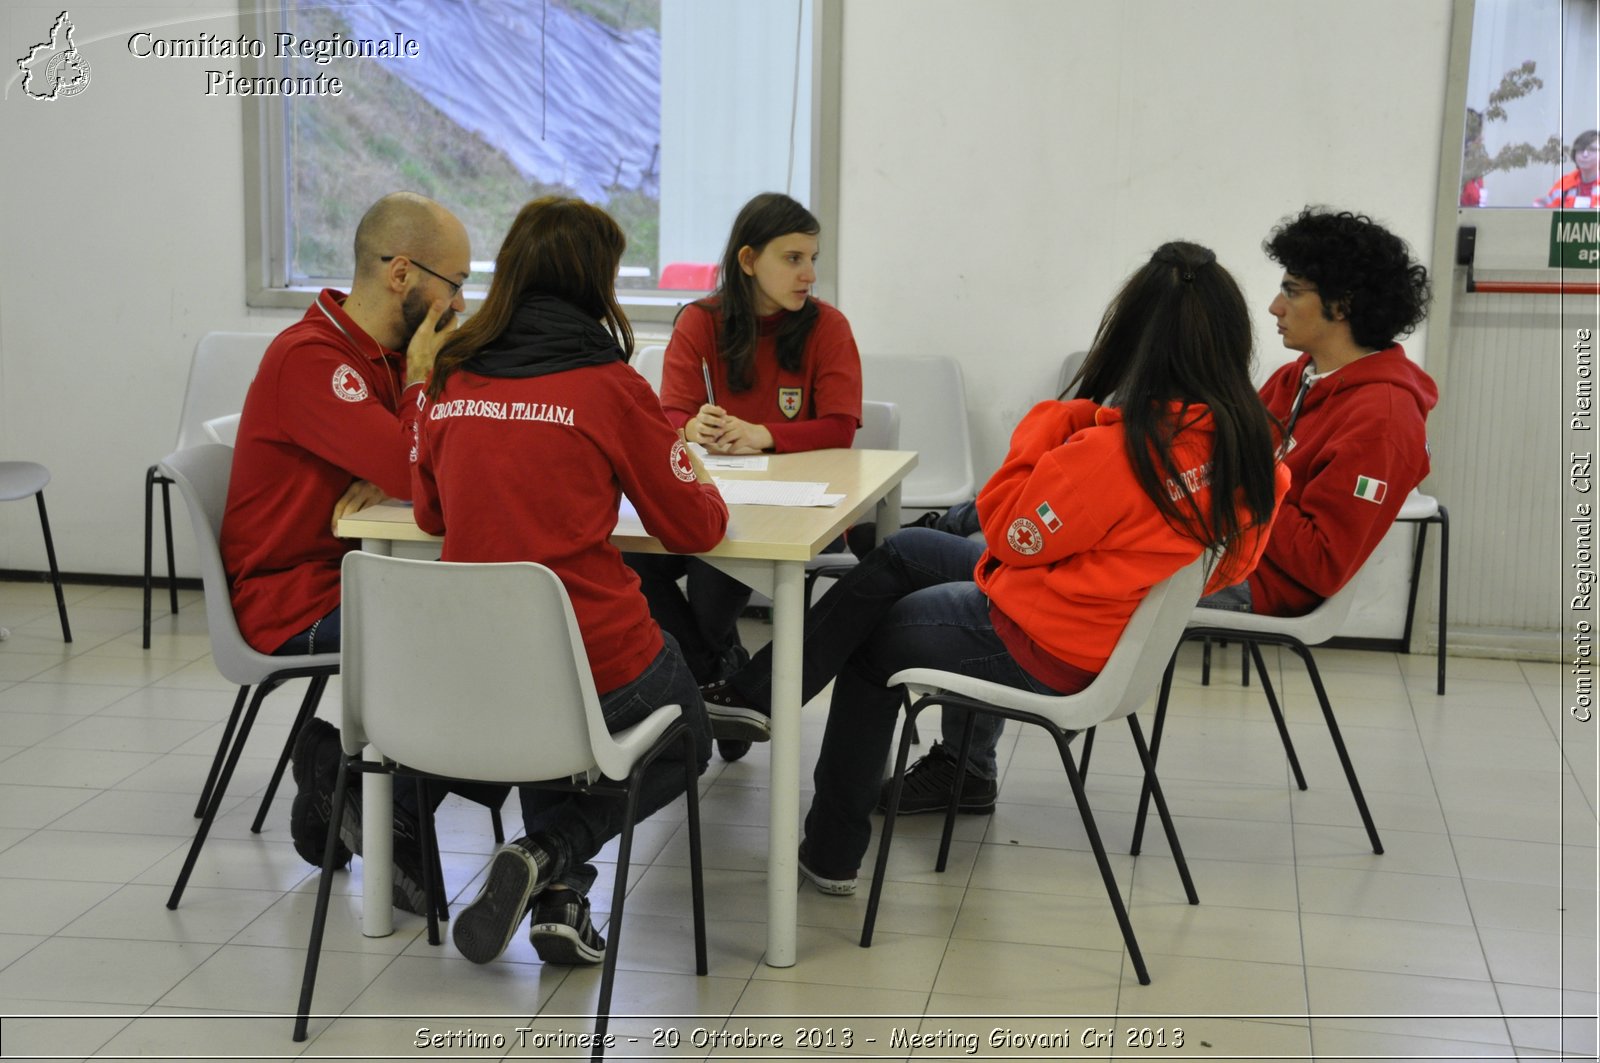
(1370, 489)
(1048, 516)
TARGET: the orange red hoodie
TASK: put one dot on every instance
(1075, 543)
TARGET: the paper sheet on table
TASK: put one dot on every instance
(740, 462)
(775, 493)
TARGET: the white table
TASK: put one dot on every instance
(766, 547)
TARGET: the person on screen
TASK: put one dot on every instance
(758, 365)
(544, 485)
(1578, 189)
(1098, 499)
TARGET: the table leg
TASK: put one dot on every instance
(377, 829)
(788, 620)
(377, 851)
(887, 514)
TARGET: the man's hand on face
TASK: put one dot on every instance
(425, 343)
(358, 496)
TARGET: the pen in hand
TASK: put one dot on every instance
(705, 372)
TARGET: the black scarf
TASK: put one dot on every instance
(546, 335)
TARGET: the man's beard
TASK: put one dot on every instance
(414, 310)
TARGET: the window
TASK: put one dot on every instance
(668, 113)
(1531, 105)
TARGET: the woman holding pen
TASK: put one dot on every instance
(758, 365)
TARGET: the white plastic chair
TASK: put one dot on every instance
(202, 474)
(933, 422)
(1423, 510)
(1298, 633)
(478, 672)
(222, 430)
(19, 480)
(1122, 686)
(224, 364)
(649, 362)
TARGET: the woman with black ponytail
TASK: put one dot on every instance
(1099, 499)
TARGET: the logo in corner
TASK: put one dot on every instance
(1024, 536)
(348, 385)
(55, 69)
(682, 468)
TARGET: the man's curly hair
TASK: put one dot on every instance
(1359, 267)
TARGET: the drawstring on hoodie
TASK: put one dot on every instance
(1307, 378)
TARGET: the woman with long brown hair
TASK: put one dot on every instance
(534, 427)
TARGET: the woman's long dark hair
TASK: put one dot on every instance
(1179, 331)
(557, 246)
(762, 220)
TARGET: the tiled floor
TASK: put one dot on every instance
(1469, 937)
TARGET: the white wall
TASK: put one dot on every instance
(121, 223)
(1004, 165)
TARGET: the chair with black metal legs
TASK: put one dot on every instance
(219, 376)
(1423, 510)
(1118, 691)
(1298, 634)
(19, 479)
(498, 645)
(202, 475)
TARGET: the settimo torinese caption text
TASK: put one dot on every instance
(320, 51)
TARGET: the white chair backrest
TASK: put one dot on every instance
(1312, 629)
(1069, 371)
(470, 671)
(224, 364)
(222, 430)
(1123, 685)
(1135, 667)
(202, 475)
(933, 422)
(648, 361)
(880, 427)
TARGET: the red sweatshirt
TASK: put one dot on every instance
(1360, 446)
(817, 407)
(320, 414)
(1075, 543)
(533, 469)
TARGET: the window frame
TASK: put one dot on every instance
(266, 181)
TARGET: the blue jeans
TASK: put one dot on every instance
(1235, 599)
(706, 621)
(910, 603)
(959, 519)
(321, 637)
(574, 827)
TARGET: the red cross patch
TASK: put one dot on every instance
(1024, 536)
(682, 468)
(348, 385)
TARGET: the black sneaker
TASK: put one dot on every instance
(927, 787)
(517, 871)
(407, 893)
(314, 762)
(562, 933)
(732, 720)
(833, 882)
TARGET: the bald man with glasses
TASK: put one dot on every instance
(327, 429)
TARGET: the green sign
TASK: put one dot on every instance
(1575, 239)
